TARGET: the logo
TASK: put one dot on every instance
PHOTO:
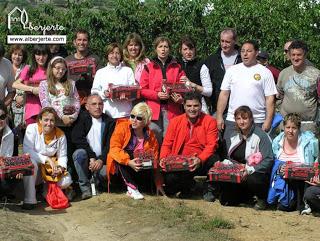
(18, 16)
(257, 77)
(21, 16)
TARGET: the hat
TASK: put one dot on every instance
(263, 54)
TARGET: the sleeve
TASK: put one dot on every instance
(79, 136)
(269, 84)
(117, 153)
(212, 140)
(206, 81)
(10, 79)
(226, 82)
(76, 102)
(24, 73)
(131, 79)
(96, 86)
(146, 92)
(167, 144)
(43, 94)
(265, 147)
(62, 152)
(29, 144)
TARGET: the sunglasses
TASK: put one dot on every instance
(138, 118)
(3, 117)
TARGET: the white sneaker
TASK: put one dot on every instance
(134, 193)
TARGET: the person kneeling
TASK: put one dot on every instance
(46, 144)
(193, 135)
(130, 137)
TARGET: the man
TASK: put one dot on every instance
(247, 83)
(91, 136)
(297, 87)
(287, 55)
(6, 78)
(82, 64)
(226, 56)
(263, 58)
(192, 134)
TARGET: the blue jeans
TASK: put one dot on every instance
(81, 163)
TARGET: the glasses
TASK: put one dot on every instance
(3, 117)
(138, 118)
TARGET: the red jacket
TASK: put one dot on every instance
(151, 81)
(205, 130)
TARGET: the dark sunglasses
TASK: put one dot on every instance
(138, 118)
(3, 117)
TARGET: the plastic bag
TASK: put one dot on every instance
(55, 197)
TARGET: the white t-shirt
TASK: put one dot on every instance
(6, 77)
(249, 86)
(94, 137)
(119, 75)
(229, 61)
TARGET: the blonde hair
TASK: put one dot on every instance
(52, 81)
(135, 38)
(143, 110)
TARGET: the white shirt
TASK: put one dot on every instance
(249, 86)
(119, 75)
(94, 136)
(229, 61)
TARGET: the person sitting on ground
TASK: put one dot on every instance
(6, 150)
(249, 141)
(91, 136)
(131, 136)
(193, 134)
(45, 143)
(296, 146)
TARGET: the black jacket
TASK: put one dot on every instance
(82, 128)
(192, 69)
(217, 71)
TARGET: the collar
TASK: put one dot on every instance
(110, 66)
(55, 133)
(169, 60)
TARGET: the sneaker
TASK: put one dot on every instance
(134, 193)
(260, 205)
(28, 206)
(86, 195)
(307, 210)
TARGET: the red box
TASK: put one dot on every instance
(11, 166)
(81, 69)
(177, 163)
(146, 158)
(220, 172)
(179, 88)
(130, 92)
(299, 171)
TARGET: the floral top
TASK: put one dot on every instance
(58, 102)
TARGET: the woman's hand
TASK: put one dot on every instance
(67, 120)
(19, 176)
(195, 164)
(177, 98)
(19, 101)
(163, 95)
(135, 164)
(35, 91)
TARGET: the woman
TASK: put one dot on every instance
(6, 149)
(46, 144)
(117, 74)
(197, 73)
(161, 70)
(295, 146)
(59, 92)
(29, 80)
(134, 54)
(132, 136)
(249, 143)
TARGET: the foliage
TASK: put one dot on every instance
(270, 22)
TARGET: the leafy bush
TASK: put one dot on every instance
(270, 22)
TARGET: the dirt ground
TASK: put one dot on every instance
(117, 217)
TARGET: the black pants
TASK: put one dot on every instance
(137, 180)
(312, 197)
(256, 184)
(183, 181)
(7, 186)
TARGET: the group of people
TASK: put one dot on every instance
(61, 108)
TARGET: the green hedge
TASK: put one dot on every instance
(268, 21)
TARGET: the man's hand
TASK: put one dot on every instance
(195, 164)
(220, 123)
(67, 120)
(314, 181)
(266, 126)
(177, 98)
(135, 164)
(95, 165)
